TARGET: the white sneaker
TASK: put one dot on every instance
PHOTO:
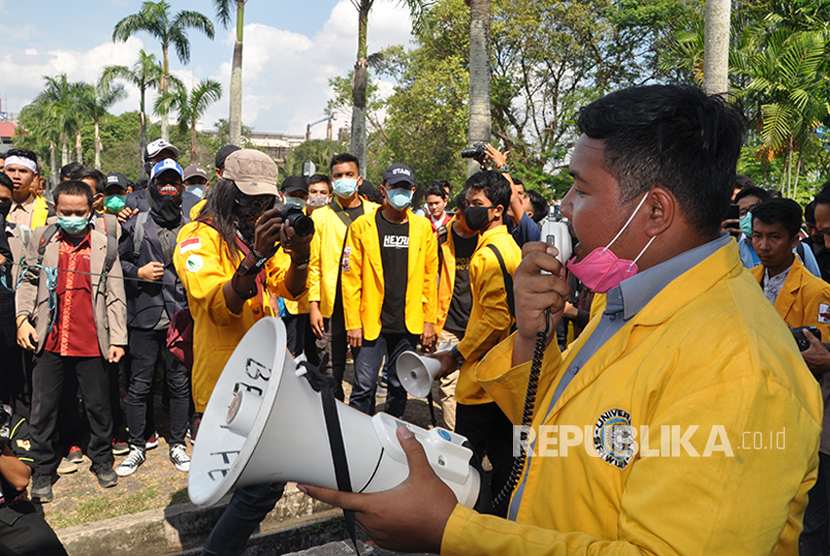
(179, 457)
(131, 462)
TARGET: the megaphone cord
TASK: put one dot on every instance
(527, 415)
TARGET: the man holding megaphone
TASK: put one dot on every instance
(226, 262)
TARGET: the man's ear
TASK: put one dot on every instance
(661, 208)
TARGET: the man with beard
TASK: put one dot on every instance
(225, 260)
(146, 250)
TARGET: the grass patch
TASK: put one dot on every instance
(103, 507)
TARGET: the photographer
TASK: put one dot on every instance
(22, 530)
(225, 260)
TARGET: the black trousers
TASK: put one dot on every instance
(16, 383)
(300, 338)
(144, 349)
(48, 380)
(339, 345)
(490, 432)
(24, 532)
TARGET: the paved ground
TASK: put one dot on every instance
(157, 484)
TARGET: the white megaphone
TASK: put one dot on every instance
(416, 373)
(264, 423)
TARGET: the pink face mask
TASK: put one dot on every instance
(601, 270)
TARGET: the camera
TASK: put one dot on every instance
(298, 220)
(477, 152)
(801, 339)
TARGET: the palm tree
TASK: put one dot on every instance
(66, 111)
(417, 9)
(479, 131)
(190, 107)
(716, 56)
(42, 132)
(154, 18)
(223, 13)
(145, 74)
(98, 100)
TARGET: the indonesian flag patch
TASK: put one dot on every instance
(190, 245)
(824, 313)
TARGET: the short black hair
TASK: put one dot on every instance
(674, 136)
(94, 173)
(340, 158)
(540, 206)
(786, 211)
(810, 213)
(754, 191)
(23, 153)
(75, 188)
(6, 182)
(437, 189)
(320, 178)
(443, 184)
(461, 201)
(140, 184)
(371, 192)
(743, 181)
(495, 186)
(70, 170)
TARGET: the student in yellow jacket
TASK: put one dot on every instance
(455, 298)
(478, 417)
(325, 303)
(687, 346)
(390, 266)
(801, 299)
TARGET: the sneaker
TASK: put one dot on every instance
(42, 488)
(75, 454)
(179, 457)
(152, 442)
(119, 446)
(195, 421)
(106, 476)
(131, 462)
(67, 466)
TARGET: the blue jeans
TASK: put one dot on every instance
(249, 506)
(814, 539)
(367, 364)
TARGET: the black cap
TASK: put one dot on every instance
(294, 183)
(116, 179)
(222, 154)
(399, 173)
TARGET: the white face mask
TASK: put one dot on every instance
(318, 200)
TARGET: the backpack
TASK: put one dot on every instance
(52, 229)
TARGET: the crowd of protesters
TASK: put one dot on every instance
(100, 281)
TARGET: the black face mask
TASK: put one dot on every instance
(5, 207)
(246, 211)
(477, 218)
(166, 210)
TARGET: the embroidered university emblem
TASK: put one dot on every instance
(614, 438)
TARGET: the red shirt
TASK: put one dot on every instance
(74, 333)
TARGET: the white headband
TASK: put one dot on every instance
(22, 161)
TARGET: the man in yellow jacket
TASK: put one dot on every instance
(491, 269)
(390, 271)
(686, 420)
(455, 298)
(801, 299)
(325, 302)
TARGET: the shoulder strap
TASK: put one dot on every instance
(47, 236)
(799, 249)
(112, 252)
(24, 233)
(508, 281)
(341, 213)
(138, 236)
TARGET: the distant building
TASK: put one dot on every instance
(277, 145)
(7, 130)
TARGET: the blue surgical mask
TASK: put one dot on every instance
(745, 222)
(73, 225)
(345, 187)
(198, 190)
(399, 198)
(297, 202)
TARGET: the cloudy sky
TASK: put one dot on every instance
(291, 50)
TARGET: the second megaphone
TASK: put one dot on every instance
(265, 423)
(416, 373)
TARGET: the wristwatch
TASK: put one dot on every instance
(504, 168)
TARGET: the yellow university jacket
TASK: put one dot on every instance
(204, 264)
(326, 249)
(40, 213)
(490, 318)
(803, 300)
(446, 277)
(707, 356)
(362, 278)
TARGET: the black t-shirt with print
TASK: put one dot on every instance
(394, 253)
(462, 296)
